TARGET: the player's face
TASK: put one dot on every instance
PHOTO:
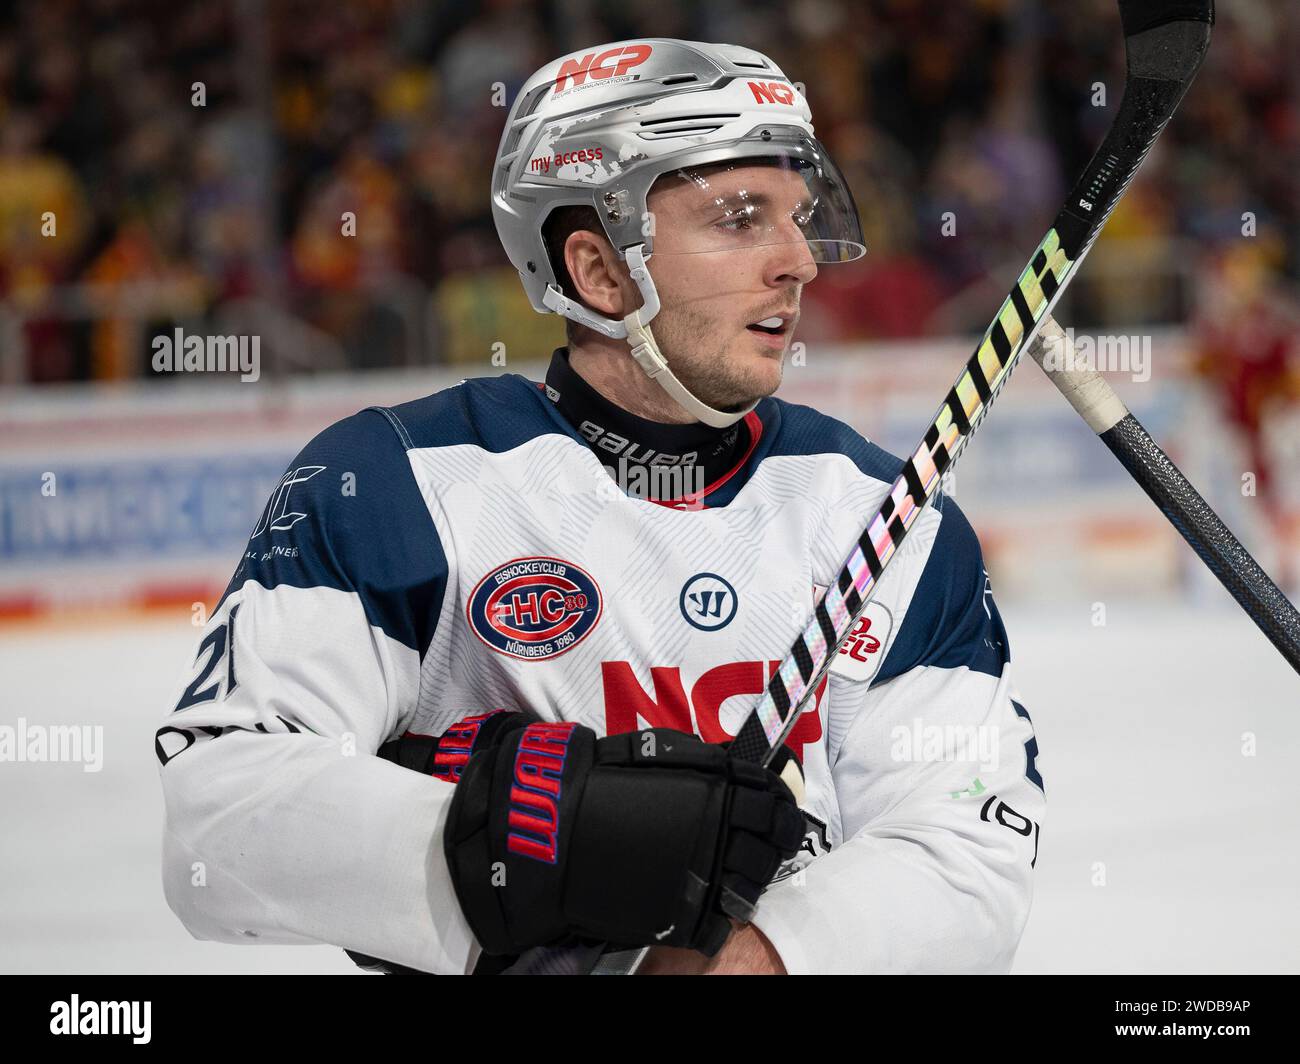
(722, 262)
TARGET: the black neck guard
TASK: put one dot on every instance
(650, 459)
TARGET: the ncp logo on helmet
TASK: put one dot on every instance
(611, 121)
(575, 71)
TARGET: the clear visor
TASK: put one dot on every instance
(792, 194)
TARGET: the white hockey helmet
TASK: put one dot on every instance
(598, 127)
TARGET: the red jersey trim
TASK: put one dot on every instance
(755, 425)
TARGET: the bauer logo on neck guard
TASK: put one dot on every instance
(534, 608)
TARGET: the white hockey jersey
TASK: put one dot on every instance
(469, 551)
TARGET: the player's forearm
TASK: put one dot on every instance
(281, 838)
(894, 901)
(747, 952)
(884, 904)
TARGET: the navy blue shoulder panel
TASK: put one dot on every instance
(952, 619)
(808, 431)
(495, 413)
(794, 429)
(349, 515)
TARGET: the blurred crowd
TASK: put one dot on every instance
(187, 162)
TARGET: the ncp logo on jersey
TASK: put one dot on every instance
(532, 608)
(708, 602)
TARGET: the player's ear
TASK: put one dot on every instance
(599, 275)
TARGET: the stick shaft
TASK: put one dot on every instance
(1207, 535)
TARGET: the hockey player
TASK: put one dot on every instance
(548, 659)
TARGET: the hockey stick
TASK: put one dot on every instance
(1096, 402)
(1165, 41)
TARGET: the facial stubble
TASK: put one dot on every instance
(709, 372)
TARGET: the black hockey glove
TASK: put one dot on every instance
(643, 838)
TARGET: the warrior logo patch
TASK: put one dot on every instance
(708, 602)
(533, 608)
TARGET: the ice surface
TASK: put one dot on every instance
(1141, 727)
(81, 889)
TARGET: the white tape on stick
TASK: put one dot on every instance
(1085, 388)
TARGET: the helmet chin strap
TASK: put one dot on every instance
(636, 328)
